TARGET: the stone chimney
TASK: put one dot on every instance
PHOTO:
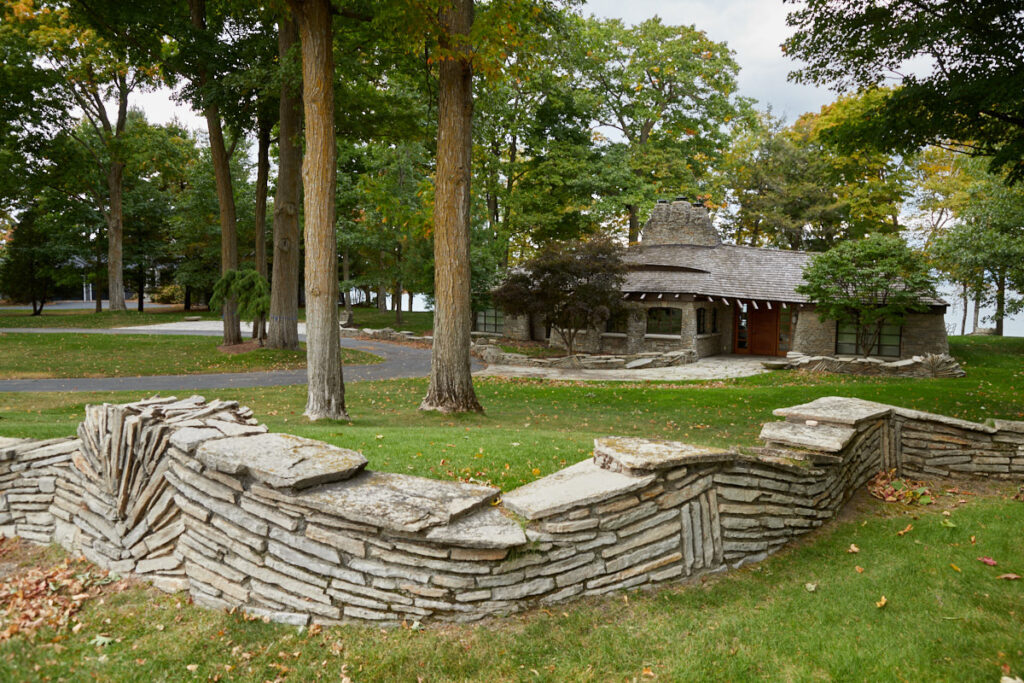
(680, 222)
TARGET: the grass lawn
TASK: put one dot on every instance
(419, 322)
(533, 428)
(98, 355)
(947, 617)
(87, 318)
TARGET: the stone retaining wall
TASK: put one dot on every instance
(196, 496)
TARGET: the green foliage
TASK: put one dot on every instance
(571, 286)
(870, 283)
(32, 262)
(248, 288)
(958, 65)
(795, 188)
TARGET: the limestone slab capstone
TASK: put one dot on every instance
(829, 438)
(483, 529)
(836, 410)
(581, 484)
(398, 502)
(632, 453)
(281, 460)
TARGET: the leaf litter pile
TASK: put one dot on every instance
(38, 597)
(892, 489)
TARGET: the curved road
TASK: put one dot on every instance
(399, 361)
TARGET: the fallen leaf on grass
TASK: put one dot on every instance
(811, 587)
(647, 672)
(853, 548)
(949, 524)
(860, 570)
(906, 530)
(988, 560)
(955, 568)
(1008, 577)
(881, 603)
(192, 667)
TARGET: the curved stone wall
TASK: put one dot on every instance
(196, 496)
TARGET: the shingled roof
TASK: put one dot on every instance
(681, 254)
(726, 271)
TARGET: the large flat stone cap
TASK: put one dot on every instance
(910, 414)
(836, 410)
(581, 484)
(398, 502)
(825, 438)
(281, 460)
(487, 528)
(645, 455)
(8, 446)
(1016, 426)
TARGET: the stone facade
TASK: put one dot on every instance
(924, 333)
(196, 496)
(811, 335)
(680, 222)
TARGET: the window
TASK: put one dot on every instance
(665, 321)
(888, 343)
(702, 321)
(785, 328)
(490, 320)
(617, 323)
(714, 321)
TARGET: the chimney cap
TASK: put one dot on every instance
(681, 198)
(700, 204)
(663, 201)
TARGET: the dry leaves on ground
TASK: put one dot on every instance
(892, 489)
(37, 597)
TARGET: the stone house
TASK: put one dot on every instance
(687, 290)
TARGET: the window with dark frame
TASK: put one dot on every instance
(490, 320)
(617, 323)
(665, 321)
(887, 345)
(714, 321)
(702, 321)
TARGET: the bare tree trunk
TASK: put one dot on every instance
(410, 301)
(140, 285)
(259, 325)
(284, 294)
(382, 291)
(977, 309)
(1000, 303)
(634, 224)
(325, 397)
(963, 320)
(396, 302)
(188, 298)
(451, 384)
(225, 191)
(348, 291)
(115, 236)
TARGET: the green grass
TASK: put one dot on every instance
(418, 322)
(90, 319)
(28, 355)
(758, 623)
(533, 427)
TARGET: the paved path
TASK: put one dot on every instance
(400, 360)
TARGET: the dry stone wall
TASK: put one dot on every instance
(197, 496)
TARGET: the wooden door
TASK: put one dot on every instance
(764, 331)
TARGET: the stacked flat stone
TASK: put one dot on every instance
(928, 365)
(493, 355)
(197, 496)
(29, 473)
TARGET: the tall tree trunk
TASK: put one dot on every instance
(382, 288)
(325, 397)
(410, 301)
(451, 384)
(396, 301)
(348, 289)
(284, 289)
(115, 236)
(634, 223)
(977, 309)
(259, 325)
(140, 285)
(966, 301)
(188, 298)
(1000, 303)
(225, 191)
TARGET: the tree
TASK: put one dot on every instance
(249, 289)
(669, 92)
(284, 294)
(88, 73)
(325, 396)
(451, 383)
(571, 286)
(869, 283)
(959, 66)
(32, 262)
(795, 188)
